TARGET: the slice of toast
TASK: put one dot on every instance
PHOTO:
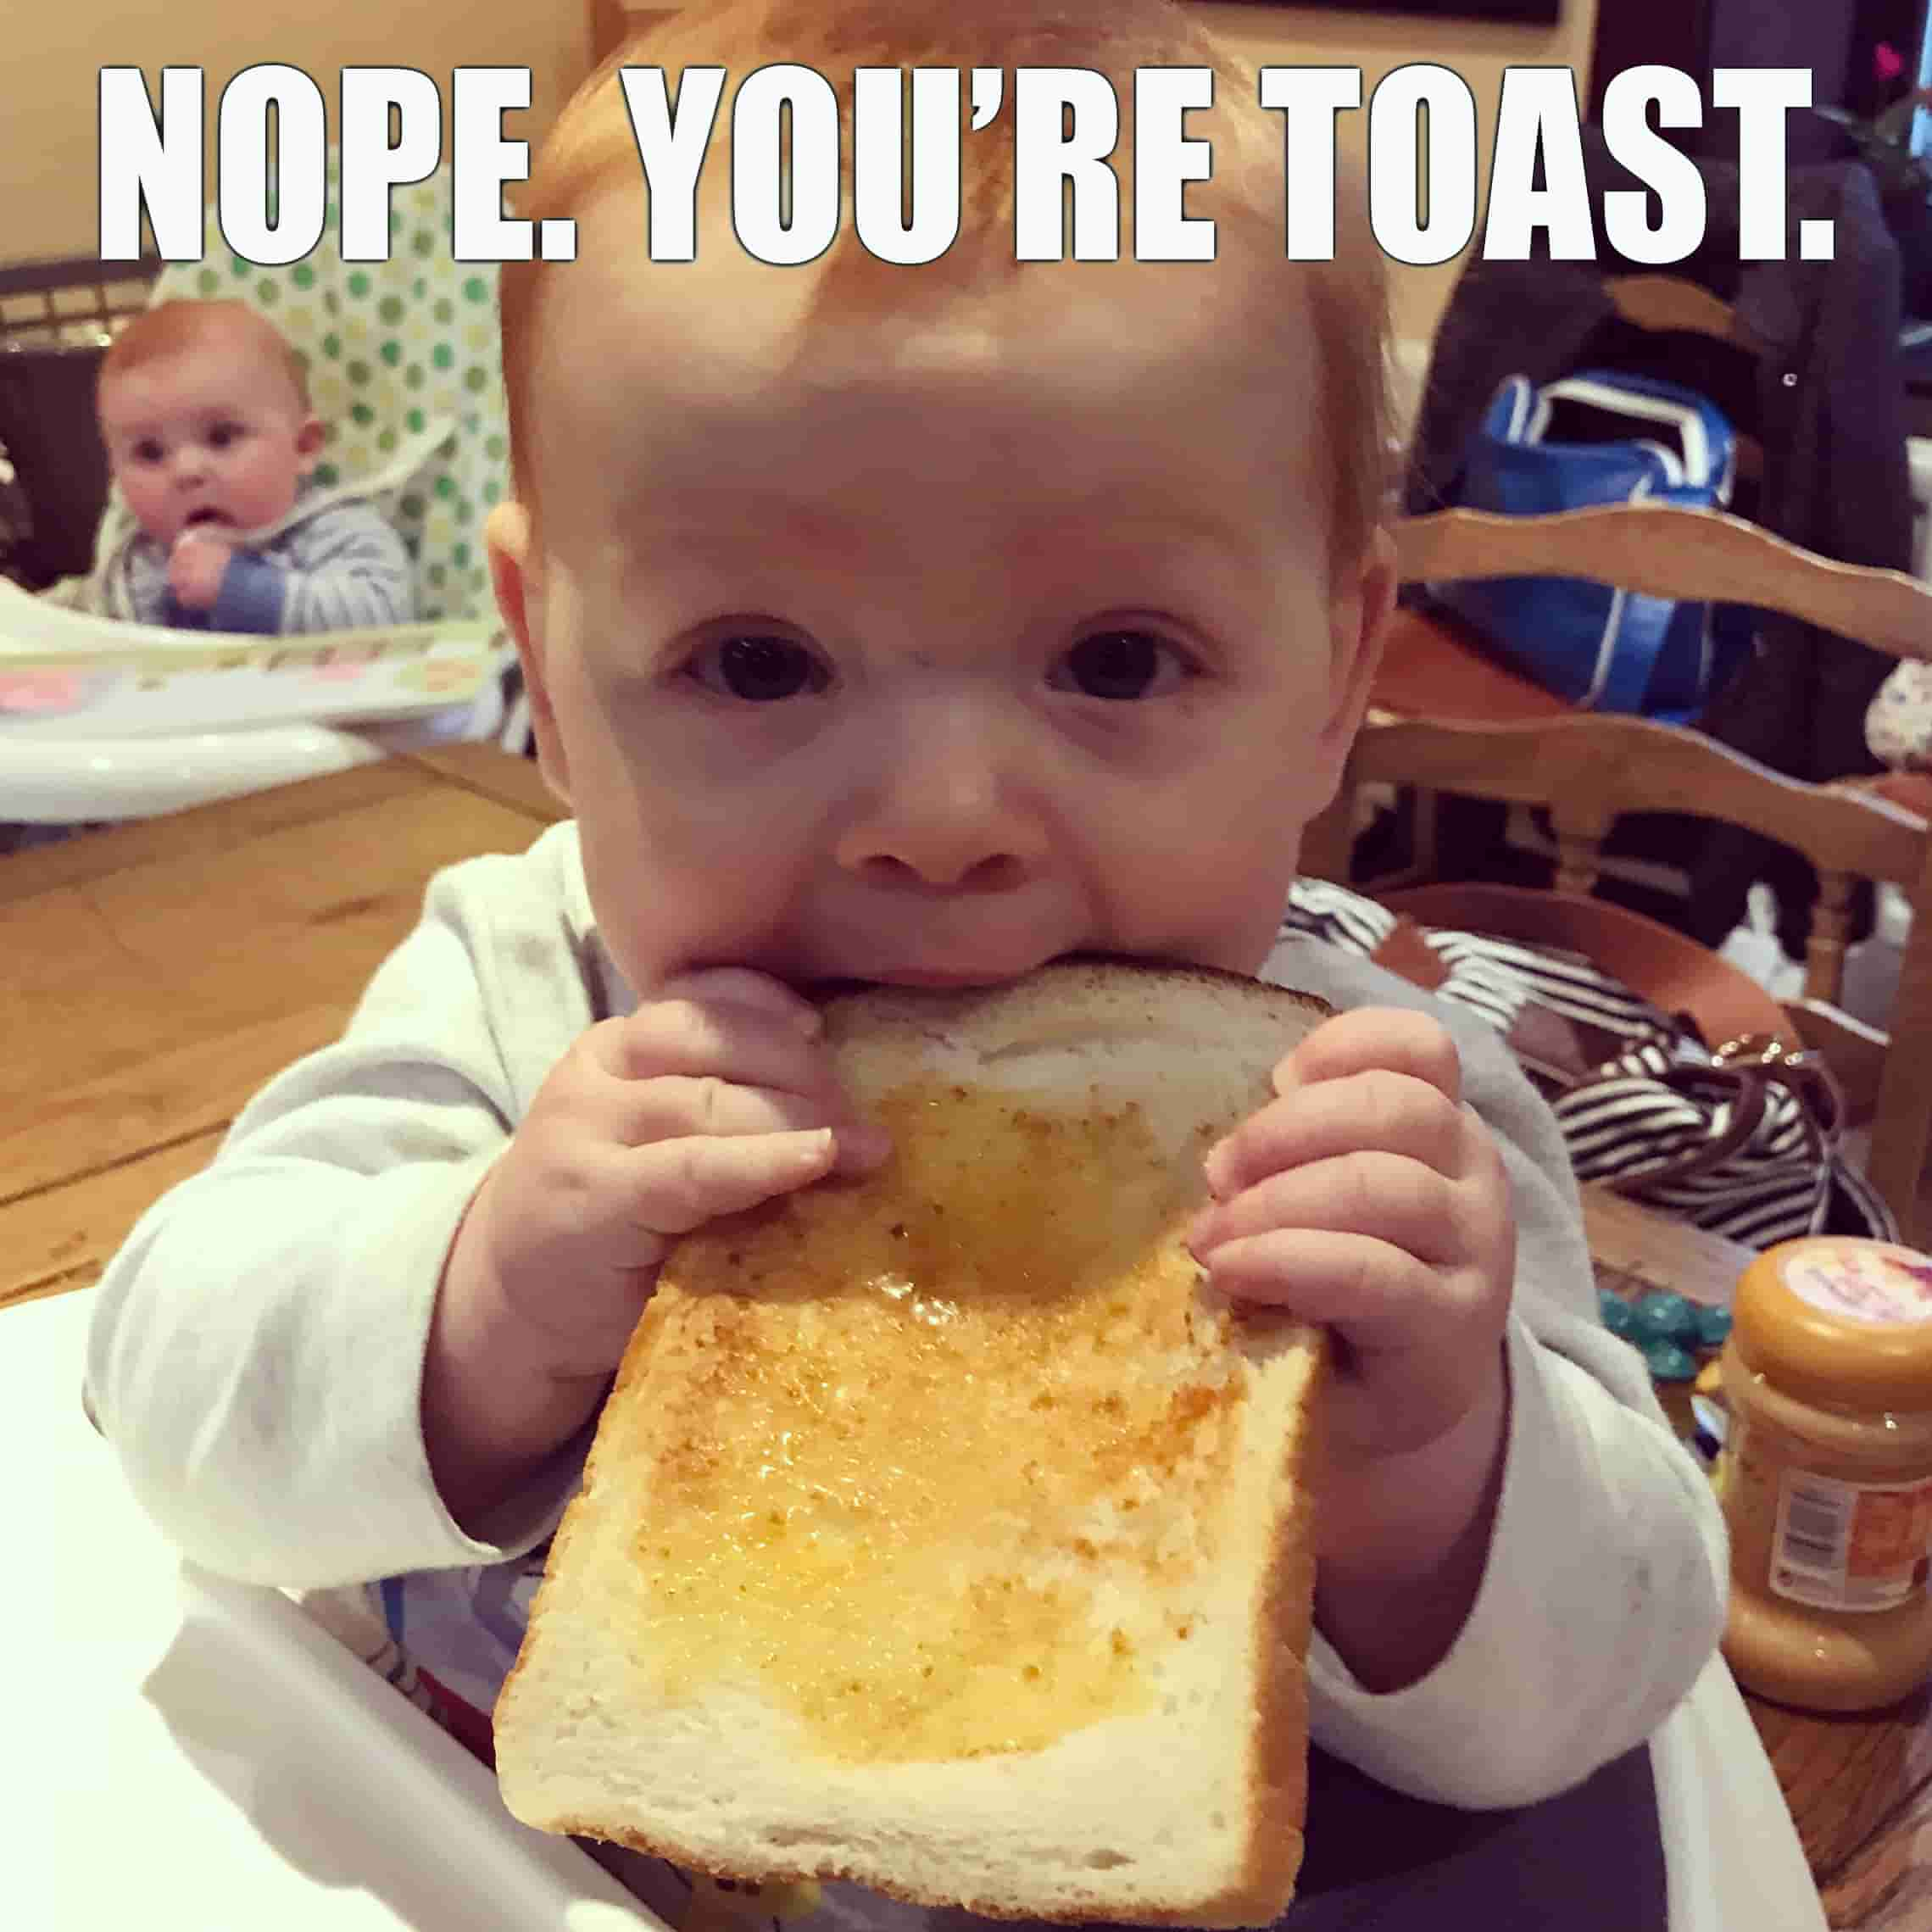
(939, 1534)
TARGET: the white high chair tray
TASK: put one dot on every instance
(192, 1753)
(195, 1753)
(64, 676)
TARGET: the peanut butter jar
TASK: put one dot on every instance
(1826, 1473)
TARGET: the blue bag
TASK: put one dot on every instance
(1600, 437)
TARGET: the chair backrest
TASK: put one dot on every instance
(1587, 768)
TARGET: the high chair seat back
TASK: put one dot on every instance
(391, 349)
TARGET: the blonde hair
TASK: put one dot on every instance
(168, 327)
(591, 149)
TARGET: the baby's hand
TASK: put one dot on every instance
(196, 567)
(710, 1098)
(1368, 1198)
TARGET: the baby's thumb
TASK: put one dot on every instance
(739, 985)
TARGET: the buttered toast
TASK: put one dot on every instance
(939, 1534)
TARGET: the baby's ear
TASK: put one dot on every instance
(516, 575)
(309, 440)
(506, 542)
(1358, 619)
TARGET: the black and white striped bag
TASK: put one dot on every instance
(1743, 1139)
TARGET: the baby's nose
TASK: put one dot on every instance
(954, 808)
(946, 866)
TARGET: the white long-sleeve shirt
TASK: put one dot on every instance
(257, 1354)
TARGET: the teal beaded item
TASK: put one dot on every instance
(1664, 1317)
(1713, 1326)
(1667, 1330)
(1668, 1361)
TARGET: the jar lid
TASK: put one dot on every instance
(1840, 1321)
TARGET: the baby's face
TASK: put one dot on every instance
(204, 437)
(1005, 637)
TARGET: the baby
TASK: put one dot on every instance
(205, 411)
(917, 624)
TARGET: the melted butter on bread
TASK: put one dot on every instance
(909, 1495)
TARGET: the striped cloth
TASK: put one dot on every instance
(1645, 1106)
(341, 567)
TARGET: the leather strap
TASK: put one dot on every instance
(1566, 1057)
(1749, 1089)
(1551, 1048)
(1745, 1089)
(1674, 973)
(1408, 955)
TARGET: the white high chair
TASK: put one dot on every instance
(101, 721)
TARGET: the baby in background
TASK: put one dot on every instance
(918, 626)
(204, 410)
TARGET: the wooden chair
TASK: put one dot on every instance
(1586, 769)
(1434, 667)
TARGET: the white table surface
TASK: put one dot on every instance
(184, 1755)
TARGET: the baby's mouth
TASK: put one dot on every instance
(207, 513)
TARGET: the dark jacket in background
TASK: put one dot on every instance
(1824, 395)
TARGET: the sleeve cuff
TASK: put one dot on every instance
(423, 1526)
(1602, 1599)
(309, 1467)
(253, 592)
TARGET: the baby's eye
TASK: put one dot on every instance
(761, 670)
(147, 450)
(1123, 664)
(223, 434)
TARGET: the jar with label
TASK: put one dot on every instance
(1826, 1473)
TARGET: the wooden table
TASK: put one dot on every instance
(152, 977)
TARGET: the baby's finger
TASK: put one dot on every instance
(1388, 1198)
(1380, 1110)
(674, 1107)
(1371, 1292)
(1412, 1356)
(1390, 1038)
(687, 1038)
(677, 1185)
(739, 985)
(1405, 1368)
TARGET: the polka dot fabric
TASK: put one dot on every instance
(391, 348)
